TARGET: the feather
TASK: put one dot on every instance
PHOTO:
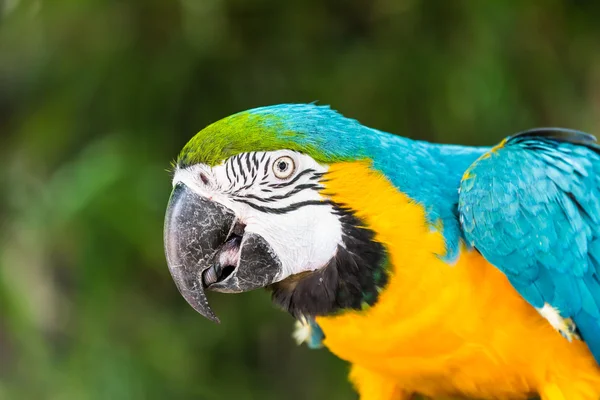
(547, 240)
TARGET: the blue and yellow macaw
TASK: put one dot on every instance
(433, 269)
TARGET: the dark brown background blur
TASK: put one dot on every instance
(96, 99)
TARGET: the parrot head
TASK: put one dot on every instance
(249, 209)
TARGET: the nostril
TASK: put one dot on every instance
(203, 178)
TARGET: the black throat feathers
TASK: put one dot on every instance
(351, 280)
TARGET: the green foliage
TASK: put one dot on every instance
(97, 98)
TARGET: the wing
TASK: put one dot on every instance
(531, 206)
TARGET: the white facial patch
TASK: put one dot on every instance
(282, 205)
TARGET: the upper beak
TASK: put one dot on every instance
(206, 247)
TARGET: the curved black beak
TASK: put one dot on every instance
(206, 247)
(194, 229)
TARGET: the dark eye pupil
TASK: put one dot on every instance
(282, 166)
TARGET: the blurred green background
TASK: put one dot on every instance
(96, 99)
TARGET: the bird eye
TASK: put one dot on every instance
(284, 167)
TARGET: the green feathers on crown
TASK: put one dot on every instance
(318, 131)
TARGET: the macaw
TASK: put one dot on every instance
(433, 269)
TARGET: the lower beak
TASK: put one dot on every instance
(207, 248)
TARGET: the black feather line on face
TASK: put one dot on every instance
(227, 172)
(284, 210)
(239, 163)
(245, 187)
(285, 184)
(292, 192)
(248, 163)
(351, 279)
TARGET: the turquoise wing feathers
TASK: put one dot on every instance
(531, 207)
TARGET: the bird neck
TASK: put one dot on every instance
(352, 279)
(377, 213)
(428, 174)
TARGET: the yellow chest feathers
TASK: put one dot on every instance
(439, 328)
